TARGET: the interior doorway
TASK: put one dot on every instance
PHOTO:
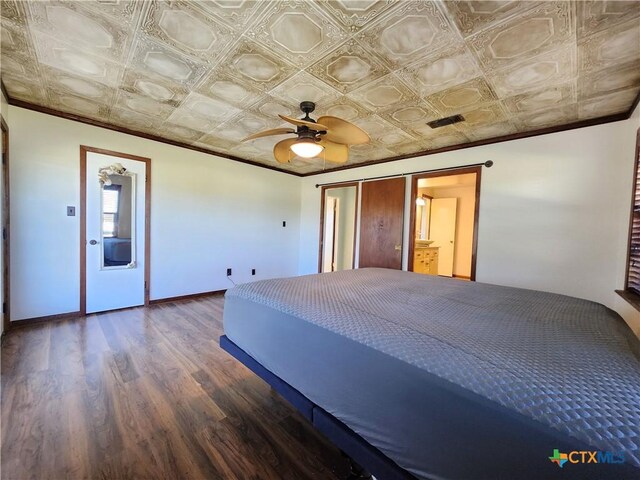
(114, 230)
(444, 223)
(338, 222)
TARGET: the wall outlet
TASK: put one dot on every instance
(253, 271)
(228, 272)
(284, 224)
(71, 211)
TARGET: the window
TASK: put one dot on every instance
(632, 284)
(110, 204)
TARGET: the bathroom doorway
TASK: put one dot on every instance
(338, 217)
(444, 223)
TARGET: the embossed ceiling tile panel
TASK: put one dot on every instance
(542, 99)
(412, 146)
(614, 46)
(15, 38)
(446, 140)
(245, 124)
(443, 70)
(230, 88)
(424, 133)
(297, 31)
(596, 15)
(85, 29)
(409, 31)
(82, 87)
(64, 57)
(490, 131)
(143, 104)
(374, 125)
(217, 143)
(209, 107)
(348, 67)
(554, 116)
(14, 10)
(180, 133)
(532, 74)
(473, 16)
(409, 114)
(25, 88)
(302, 87)
(272, 107)
(609, 80)
(256, 65)
(463, 97)
(238, 14)
(156, 59)
(20, 64)
(155, 87)
(344, 108)
(125, 12)
(368, 152)
(187, 29)
(486, 115)
(384, 133)
(538, 30)
(383, 94)
(611, 104)
(355, 14)
(186, 118)
(134, 120)
(79, 105)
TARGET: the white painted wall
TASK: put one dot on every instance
(553, 211)
(207, 214)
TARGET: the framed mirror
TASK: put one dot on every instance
(338, 227)
(118, 222)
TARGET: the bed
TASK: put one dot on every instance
(424, 377)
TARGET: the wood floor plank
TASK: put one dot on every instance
(147, 393)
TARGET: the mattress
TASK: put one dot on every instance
(452, 379)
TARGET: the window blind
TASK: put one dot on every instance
(633, 275)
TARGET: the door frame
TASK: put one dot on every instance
(355, 221)
(476, 214)
(6, 259)
(83, 220)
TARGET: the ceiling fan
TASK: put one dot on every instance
(329, 136)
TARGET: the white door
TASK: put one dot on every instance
(443, 232)
(115, 232)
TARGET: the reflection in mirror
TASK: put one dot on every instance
(423, 213)
(118, 221)
(339, 224)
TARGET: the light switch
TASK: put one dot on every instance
(71, 211)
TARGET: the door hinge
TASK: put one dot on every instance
(4, 307)
(4, 233)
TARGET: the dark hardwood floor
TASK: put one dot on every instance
(147, 393)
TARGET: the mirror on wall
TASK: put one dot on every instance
(337, 247)
(118, 221)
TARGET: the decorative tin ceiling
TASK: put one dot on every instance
(209, 73)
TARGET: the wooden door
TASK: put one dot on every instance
(381, 223)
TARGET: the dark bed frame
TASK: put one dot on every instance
(352, 444)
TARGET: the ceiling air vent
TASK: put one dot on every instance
(442, 122)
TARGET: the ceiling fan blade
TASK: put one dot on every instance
(334, 152)
(303, 123)
(341, 131)
(282, 152)
(266, 133)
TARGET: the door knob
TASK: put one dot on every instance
(398, 247)
(93, 242)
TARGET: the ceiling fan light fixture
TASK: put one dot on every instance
(306, 148)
